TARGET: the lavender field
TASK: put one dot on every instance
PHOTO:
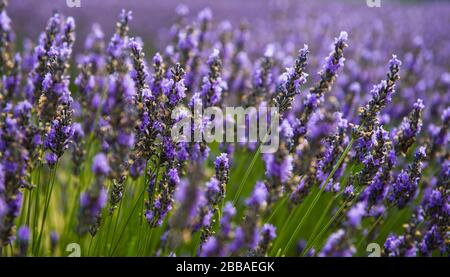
(90, 98)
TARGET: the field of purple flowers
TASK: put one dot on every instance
(89, 165)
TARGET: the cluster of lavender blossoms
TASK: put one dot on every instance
(357, 156)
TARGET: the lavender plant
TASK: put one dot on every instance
(88, 155)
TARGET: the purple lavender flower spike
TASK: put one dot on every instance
(405, 187)
(328, 74)
(290, 82)
(78, 151)
(392, 245)
(213, 86)
(409, 129)
(268, 234)
(41, 52)
(55, 102)
(440, 135)
(162, 204)
(222, 166)
(247, 236)
(6, 38)
(217, 245)
(381, 95)
(258, 198)
(431, 240)
(337, 246)
(15, 165)
(94, 199)
(356, 213)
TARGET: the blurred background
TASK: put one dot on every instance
(300, 19)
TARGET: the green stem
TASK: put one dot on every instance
(319, 223)
(148, 242)
(142, 209)
(116, 223)
(36, 205)
(105, 238)
(286, 222)
(47, 204)
(324, 229)
(30, 202)
(247, 173)
(127, 222)
(316, 199)
(90, 244)
(281, 204)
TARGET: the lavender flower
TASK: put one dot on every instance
(6, 37)
(23, 239)
(374, 157)
(258, 198)
(262, 79)
(431, 240)
(213, 86)
(397, 246)
(247, 236)
(162, 203)
(94, 199)
(222, 166)
(193, 212)
(12, 80)
(392, 245)
(118, 44)
(405, 187)
(216, 246)
(55, 102)
(409, 128)
(356, 213)
(214, 195)
(436, 212)
(334, 147)
(378, 188)
(440, 135)
(403, 190)
(15, 165)
(78, 151)
(279, 166)
(100, 165)
(333, 62)
(58, 138)
(142, 98)
(118, 122)
(90, 80)
(140, 72)
(268, 234)
(204, 19)
(290, 82)
(336, 246)
(381, 95)
(54, 238)
(47, 39)
(207, 210)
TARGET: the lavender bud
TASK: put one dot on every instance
(23, 239)
(290, 82)
(268, 234)
(336, 246)
(409, 129)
